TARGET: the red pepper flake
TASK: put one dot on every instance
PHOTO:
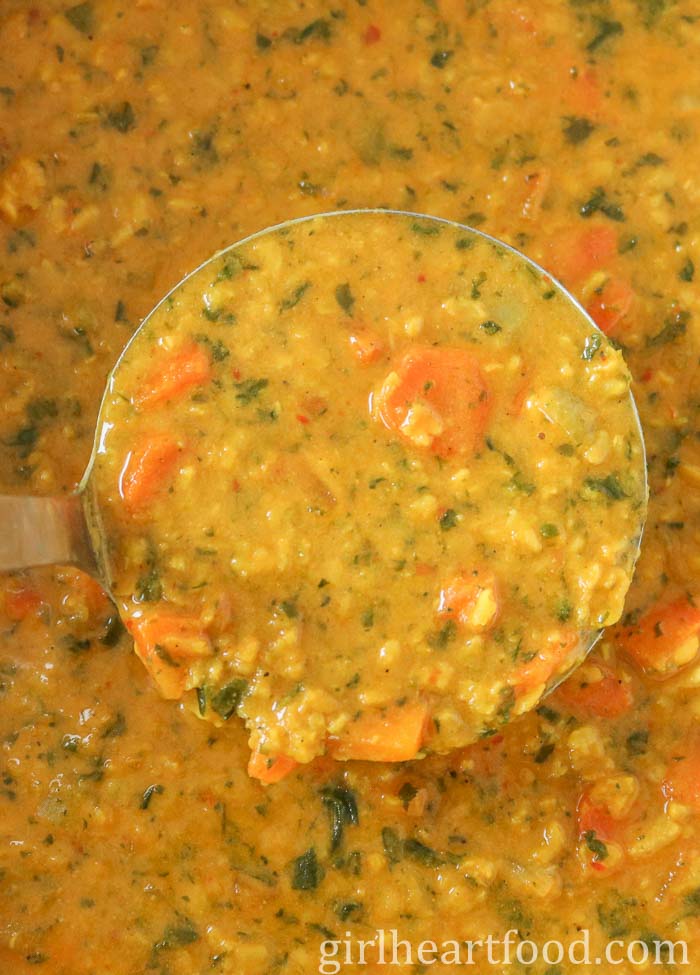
(301, 418)
(597, 865)
(495, 740)
(648, 376)
(236, 485)
(236, 373)
(372, 34)
(421, 278)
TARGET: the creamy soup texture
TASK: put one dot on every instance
(138, 138)
(370, 481)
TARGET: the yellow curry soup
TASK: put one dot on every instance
(370, 481)
(136, 140)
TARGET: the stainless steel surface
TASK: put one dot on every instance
(44, 531)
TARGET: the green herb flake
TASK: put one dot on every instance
(440, 58)
(293, 299)
(596, 846)
(250, 389)
(341, 806)
(449, 519)
(307, 872)
(262, 42)
(345, 298)
(591, 346)
(120, 117)
(674, 327)
(637, 742)
(576, 129)
(600, 203)
(152, 790)
(687, 272)
(548, 530)
(490, 327)
(178, 935)
(82, 17)
(543, 753)
(393, 845)
(606, 29)
(407, 793)
(227, 699)
(608, 486)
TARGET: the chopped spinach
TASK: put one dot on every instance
(344, 297)
(152, 790)
(250, 389)
(608, 486)
(591, 346)
(120, 117)
(341, 806)
(227, 699)
(295, 297)
(82, 17)
(440, 58)
(605, 30)
(577, 129)
(490, 327)
(307, 872)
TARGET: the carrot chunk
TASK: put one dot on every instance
(269, 769)
(174, 373)
(665, 639)
(595, 691)
(576, 254)
(147, 469)
(611, 304)
(436, 398)
(21, 601)
(394, 735)
(366, 345)
(682, 779)
(546, 663)
(471, 601)
(166, 643)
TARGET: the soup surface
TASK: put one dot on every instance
(324, 464)
(136, 139)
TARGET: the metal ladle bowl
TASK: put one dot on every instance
(66, 530)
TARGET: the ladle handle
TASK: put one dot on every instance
(44, 531)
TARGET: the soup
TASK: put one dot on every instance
(136, 140)
(326, 461)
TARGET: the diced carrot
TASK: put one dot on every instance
(545, 663)
(21, 600)
(269, 769)
(537, 186)
(174, 373)
(594, 690)
(148, 467)
(665, 639)
(471, 600)
(366, 345)
(436, 398)
(166, 643)
(583, 92)
(609, 306)
(576, 254)
(682, 779)
(394, 735)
